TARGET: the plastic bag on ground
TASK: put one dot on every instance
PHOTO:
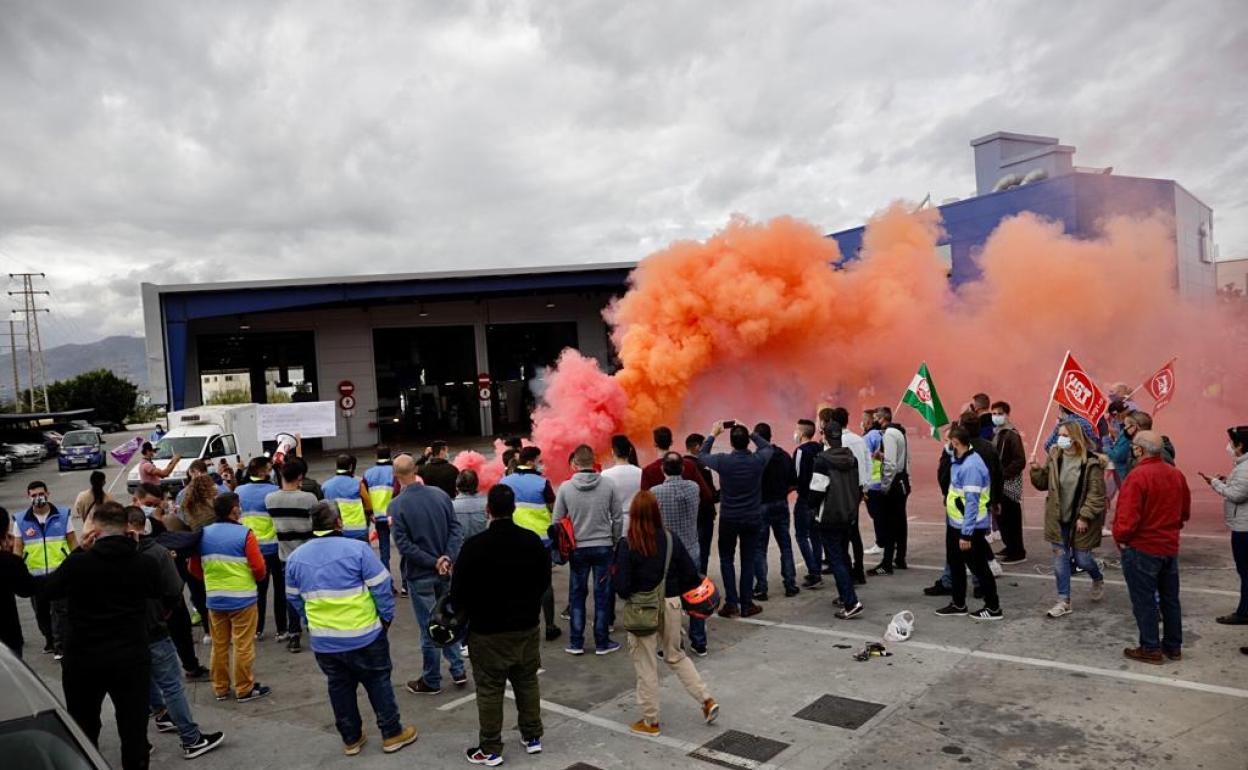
(900, 627)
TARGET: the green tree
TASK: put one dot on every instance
(230, 396)
(111, 397)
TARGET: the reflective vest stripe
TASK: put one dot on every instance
(261, 523)
(342, 613)
(228, 580)
(535, 518)
(44, 554)
(959, 494)
(380, 498)
(352, 512)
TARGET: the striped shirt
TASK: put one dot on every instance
(678, 503)
(290, 511)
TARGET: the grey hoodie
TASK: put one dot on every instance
(594, 506)
(1235, 493)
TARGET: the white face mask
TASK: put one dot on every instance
(1230, 449)
(1064, 442)
(998, 420)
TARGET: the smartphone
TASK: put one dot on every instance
(729, 424)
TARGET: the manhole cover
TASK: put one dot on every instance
(738, 744)
(582, 766)
(840, 712)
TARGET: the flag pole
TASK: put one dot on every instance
(1045, 420)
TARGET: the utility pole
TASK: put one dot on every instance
(34, 347)
(17, 382)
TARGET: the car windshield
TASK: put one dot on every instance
(184, 446)
(80, 438)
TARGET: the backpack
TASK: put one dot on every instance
(643, 612)
(562, 540)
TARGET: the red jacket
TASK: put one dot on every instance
(1153, 505)
(652, 475)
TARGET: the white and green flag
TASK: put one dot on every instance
(922, 396)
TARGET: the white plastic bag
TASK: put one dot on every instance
(900, 627)
(995, 567)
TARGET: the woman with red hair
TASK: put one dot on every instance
(642, 560)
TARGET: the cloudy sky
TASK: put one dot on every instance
(172, 142)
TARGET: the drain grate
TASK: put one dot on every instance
(582, 766)
(840, 712)
(738, 744)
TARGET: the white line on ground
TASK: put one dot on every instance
(1033, 576)
(684, 747)
(1032, 528)
(1130, 676)
(470, 697)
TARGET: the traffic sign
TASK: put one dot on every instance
(483, 386)
(346, 388)
(484, 393)
(346, 403)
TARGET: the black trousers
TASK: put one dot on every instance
(1010, 522)
(183, 636)
(893, 513)
(86, 681)
(50, 616)
(199, 596)
(276, 575)
(977, 560)
(853, 551)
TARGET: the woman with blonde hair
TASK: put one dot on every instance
(1074, 510)
(651, 559)
(198, 500)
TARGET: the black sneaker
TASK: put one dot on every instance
(812, 581)
(258, 691)
(418, 687)
(206, 743)
(699, 651)
(880, 571)
(198, 675)
(460, 680)
(987, 614)
(860, 579)
(792, 591)
(48, 648)
(850, 612)
(294, 644)
(163, 723)
(760, 596)
(553, 633)
(1012, 559)
(900, 564)
(566, 613)
(826, 571)
(938, 589)
(951, 610)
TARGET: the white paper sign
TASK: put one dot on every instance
(312, 419)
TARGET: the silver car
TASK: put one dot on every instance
(35, 729)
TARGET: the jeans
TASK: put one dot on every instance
(706, 535)
(275, 575)
(775, 521)
(85, 682)
(834, 541)
(875, 509)
(747, 532)
(1149, 577)
(165, 692)
(1239, 549)
(895, 525)
(1011, 525)
(697, 633)
(1062, 554)
(976, 559)
(808, 542)
(509, 656)
(584, 560)
(383, 542)
(51, 616)
(346, 671)
(425, 592)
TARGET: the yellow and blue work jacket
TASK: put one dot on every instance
(44, 546)
(342, 591)
(966, 504)
(344, 489)
(380, 482)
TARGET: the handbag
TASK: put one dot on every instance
(643, 612)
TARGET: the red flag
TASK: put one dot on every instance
(1077, 391)
(1161, 386)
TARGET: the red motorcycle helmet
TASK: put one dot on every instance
(701, 602)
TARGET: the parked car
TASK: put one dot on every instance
(27, 455)
(108, 426)
(7, 463)
(78, 425)
(81, 449)
(35, 730)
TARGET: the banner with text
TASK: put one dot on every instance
(1078, 392)
(309, 419)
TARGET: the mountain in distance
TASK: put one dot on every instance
(125, 356)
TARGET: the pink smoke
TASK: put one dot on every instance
(583, 405)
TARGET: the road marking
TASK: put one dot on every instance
(684, 747)
(1034, 576)
(470, 697)
(1130, 676)
(1033, 528)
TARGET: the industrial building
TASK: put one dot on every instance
(413, 348)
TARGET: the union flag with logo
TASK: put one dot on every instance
(1161, 386)
(1077, 391)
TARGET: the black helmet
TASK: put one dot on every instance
(446, 626)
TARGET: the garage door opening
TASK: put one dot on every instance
(426, 384)
(518, 353)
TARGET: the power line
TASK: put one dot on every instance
(34, 346)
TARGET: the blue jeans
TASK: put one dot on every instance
(346, 671)
(697, 633)
(1239, 549)
(425, 592)
(166, 692)
(834, 541)
(1062, 555)
(383, 542)
(730, 531)
(808, 542)
(598, 559)
(1149, 577)
(775, 521)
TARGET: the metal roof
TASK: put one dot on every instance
(27, 416)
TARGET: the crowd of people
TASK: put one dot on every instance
(108, 581)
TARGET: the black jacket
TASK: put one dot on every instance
(15, 580)
(500, 578)
(805, 462)
(107, 589)
(633, 572)
(779, 476)
(440, 473)
(706, 508)
(170, 587)
(834, 489)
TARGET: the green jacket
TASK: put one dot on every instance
(1090, 494)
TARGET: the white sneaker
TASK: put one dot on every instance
(992, 537)
(874, 550)
(994, 567)
(1060, 609)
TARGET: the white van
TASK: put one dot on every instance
(205, 433)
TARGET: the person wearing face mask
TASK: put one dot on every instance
(46, 538)
(1009, 446)
(1234, 492)
(1122, 451)
(966, 515)
(535, 499)
(1074, 510)
(1064, 415)
(1153, 505)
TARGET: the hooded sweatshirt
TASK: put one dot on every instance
(835, 490)
(594, 506)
